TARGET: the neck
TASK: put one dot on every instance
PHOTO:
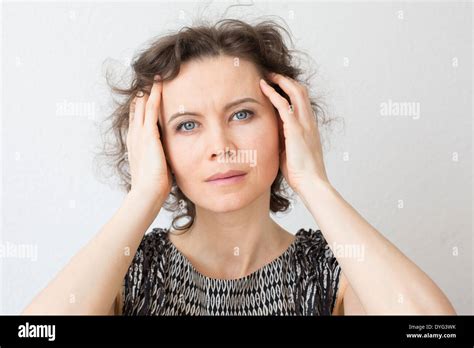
(230, 245)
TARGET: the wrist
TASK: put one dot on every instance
(147, 198)
(314, 191)
(312, 184)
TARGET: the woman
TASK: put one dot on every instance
(201, 99)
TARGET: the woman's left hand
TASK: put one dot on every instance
(301, 160)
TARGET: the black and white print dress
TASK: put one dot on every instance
(302, 281)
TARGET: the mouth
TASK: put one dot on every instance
(230, 178)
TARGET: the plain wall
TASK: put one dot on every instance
(409, 176)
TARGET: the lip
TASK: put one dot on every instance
(229, 180)
(231, 174)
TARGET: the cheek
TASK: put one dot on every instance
(264, 138)
(180, 158)
(261, 137)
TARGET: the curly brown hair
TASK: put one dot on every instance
(262, 43)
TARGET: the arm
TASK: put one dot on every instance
(386, 281)
(347, 302)
(91, 280)
(89, 283)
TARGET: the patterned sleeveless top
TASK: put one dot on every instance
(302, 281)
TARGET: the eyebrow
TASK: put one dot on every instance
(226, 107)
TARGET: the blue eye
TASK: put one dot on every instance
(248, 112)
(239, 114)
(178, 127)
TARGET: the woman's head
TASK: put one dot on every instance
(215, 105)
(205, 69)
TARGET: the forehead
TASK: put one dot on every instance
(210, 82)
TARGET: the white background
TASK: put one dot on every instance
(367, 53)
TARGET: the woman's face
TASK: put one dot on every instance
(199, 125)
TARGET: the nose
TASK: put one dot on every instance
(220, 142)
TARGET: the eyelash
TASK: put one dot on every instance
(249, 112)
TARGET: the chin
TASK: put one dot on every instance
(226, 202)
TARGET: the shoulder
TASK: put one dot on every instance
(320, 266)
(153, 241)
(156, 235)
(312, 243)
(144, 270)
(152, 248)
(313, 247)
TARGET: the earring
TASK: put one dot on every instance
(183, 205)
(183, 215)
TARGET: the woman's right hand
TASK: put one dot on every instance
(150, 173)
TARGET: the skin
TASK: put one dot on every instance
(385, 282)
(233, 234)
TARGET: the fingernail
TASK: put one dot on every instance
(157, 78)
(265, 82)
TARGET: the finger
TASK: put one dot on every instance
(278, 101)
(131, 122)
(294, 90)
(153, 104)
(139, 113)
(299, 97)
(131, 112)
